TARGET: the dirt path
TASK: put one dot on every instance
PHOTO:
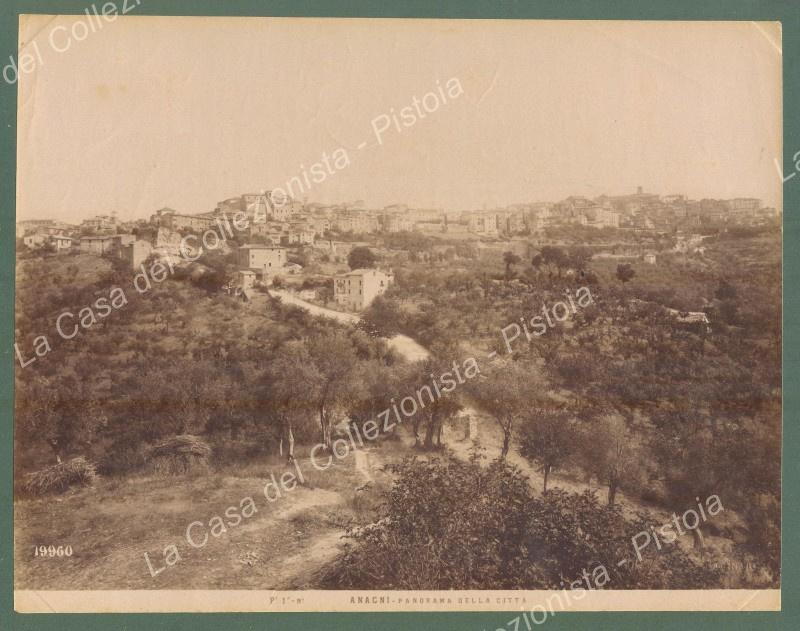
(300, 570)
(289, 298)
(362, 464)
(407, 347)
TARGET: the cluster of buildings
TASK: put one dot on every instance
(38, 233)
(639, 211)
(273, 225)
(288, 222)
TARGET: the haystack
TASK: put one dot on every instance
(60, 477)
(179, 454)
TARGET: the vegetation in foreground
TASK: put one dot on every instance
(450, 524)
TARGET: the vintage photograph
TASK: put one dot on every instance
(320, 314)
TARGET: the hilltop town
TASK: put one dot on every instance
(306, 245)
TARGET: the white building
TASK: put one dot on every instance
(482, 223)
(245, 279)
(34, 240)
(136, 253)
(99, 244)
(266, 259)
(359, 223)
(357, 289)
(61, 241)
(394, 222)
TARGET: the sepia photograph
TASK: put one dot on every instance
(361, 314)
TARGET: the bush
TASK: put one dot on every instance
(60, 477)
(178, 455)
(455, 525)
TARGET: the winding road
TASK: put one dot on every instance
(407, 347)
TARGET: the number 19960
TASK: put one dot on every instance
(52, 551)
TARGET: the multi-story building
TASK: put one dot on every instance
(191, 222)
(744, 205)
(355, 222)
(30, 225)
(606, 218)
(100, 223)
(426, 215)
(394, 222)
(356, 290)
(269, 206)
(266, 259)
(169, 218)
(511, 221)
(482, 223)
(321, 225)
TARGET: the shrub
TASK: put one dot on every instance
(454, 525)
(60, 477)
(178, 454)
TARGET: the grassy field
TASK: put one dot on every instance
(282, 545)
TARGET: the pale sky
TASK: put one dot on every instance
(148, 112)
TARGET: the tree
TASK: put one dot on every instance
(385, 315)
(625, 272)
(578, 257)
(509, 260)
(334, 357)
(286, 393)
(549, 440)
(361, 257)
(692, 446)
(376, 385)
(60, 412)
(170, 397)
(554, 259)
(612, 452)
(434, 407)
(508, 395)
